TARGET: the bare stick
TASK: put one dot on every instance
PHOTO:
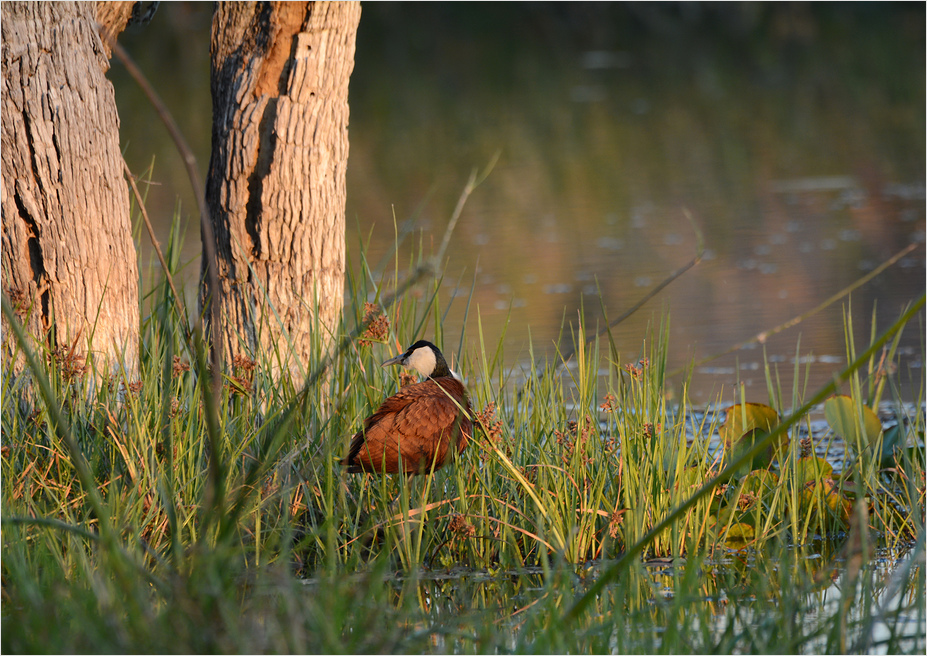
(474, 182)
(214, 494)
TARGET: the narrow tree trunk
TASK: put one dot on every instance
(69, 264)
(276, 184)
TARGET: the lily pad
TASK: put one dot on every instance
(740, 532)
(893, 440)
(759, 482)
(754, 498)
(824, 495)
(744, 417)
(812, 469)
(745, 424)
(860, 428)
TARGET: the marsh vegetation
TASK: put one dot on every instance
(588, 514)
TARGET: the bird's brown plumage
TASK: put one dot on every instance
(413, 429)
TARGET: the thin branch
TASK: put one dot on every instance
(214, 493)
(475, 181)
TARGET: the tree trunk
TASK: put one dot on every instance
(69, 263)
(113, 17)
(276, 183)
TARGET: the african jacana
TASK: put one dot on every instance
(414, 429)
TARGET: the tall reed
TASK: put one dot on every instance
(138, 516)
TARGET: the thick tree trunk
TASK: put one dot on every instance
(276, 184)
(69, 264)
(113, 17)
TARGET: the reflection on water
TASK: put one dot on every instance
(741, 595)
(794, 135)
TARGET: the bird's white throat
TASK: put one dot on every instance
(422, 360)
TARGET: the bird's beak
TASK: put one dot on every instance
(392, 361)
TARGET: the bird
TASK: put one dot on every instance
(417, 427)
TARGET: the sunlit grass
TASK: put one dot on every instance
(135, 517)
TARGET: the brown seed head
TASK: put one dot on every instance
(179, 367)
(460, 527)
(486, 419)
(807, 446)
(377, 325)
(609, 403)
(614, 523)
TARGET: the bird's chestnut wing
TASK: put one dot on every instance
(412, 424)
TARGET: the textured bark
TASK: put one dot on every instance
(69, 264)
(276, 184)
(113, 18)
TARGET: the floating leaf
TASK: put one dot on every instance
(812, 469)
(744, 417)
(893, 439)
(823, 494)
(759, 482)
(855, 423)
(745, 424)
(740, 532)
(754, 497)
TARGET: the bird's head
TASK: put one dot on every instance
(425, 358)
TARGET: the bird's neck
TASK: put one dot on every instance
(441, 369)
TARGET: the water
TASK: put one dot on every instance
(737, 588)
(793, 136)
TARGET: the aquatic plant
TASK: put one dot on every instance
(138, 512)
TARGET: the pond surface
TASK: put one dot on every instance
(734, 592)
(794, 137)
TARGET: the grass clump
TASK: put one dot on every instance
(147, 515)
